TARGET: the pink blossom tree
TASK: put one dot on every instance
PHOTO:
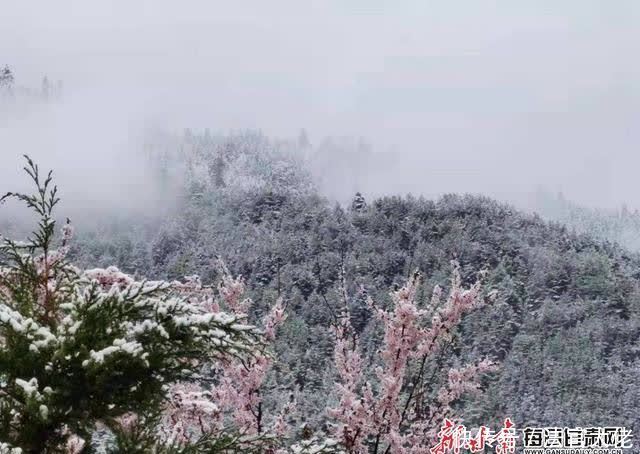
(234, 399)
(392, 414)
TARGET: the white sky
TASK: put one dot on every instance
(490, 96)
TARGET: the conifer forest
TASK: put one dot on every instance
(319, 227)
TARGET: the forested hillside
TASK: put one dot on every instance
(564, 327)
(326, 227)
(620, 226)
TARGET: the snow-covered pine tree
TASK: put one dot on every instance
(6, 81)
(82, 350)
(216, 171)
(359, 203)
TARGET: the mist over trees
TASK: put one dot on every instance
(15, 92)
(562, 325)
(621, 226)
(284, 316)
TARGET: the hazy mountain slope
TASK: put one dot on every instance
(565, 325)
(620, 226)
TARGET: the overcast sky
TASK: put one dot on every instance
(482, 96)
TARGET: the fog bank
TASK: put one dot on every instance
(494, 98)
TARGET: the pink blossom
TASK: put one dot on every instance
(280, 427)
(128, 421)
(74, 445)
(190, 412)
(232, 290)
(385, 418)
(353, 413)
(236, 396)
(273, 319)
(67, 233)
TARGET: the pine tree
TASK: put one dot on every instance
(6, 75)
(6, 80)
(216, 171)
(359, 203)
(83, 348)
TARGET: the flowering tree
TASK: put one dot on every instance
(87, 349)
(234, 399)
(395, 414)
